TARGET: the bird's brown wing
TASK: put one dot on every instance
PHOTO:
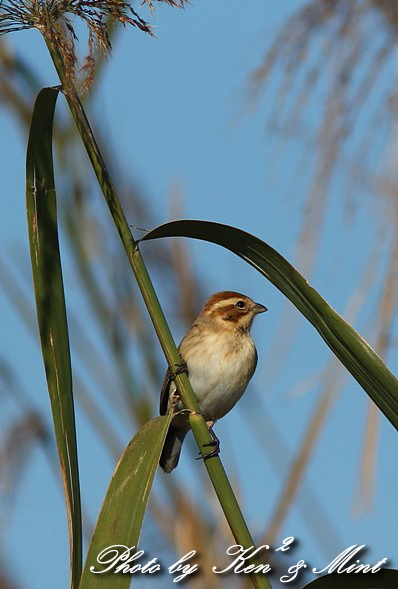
(164, 393)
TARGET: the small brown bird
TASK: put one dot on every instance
(220, 359)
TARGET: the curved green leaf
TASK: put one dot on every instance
(353, 351)
(51, 312)
(122, 512)
(384, 579)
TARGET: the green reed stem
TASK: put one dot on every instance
(214, 467)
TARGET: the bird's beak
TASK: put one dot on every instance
(259, 308)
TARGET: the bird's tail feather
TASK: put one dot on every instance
(172, 448)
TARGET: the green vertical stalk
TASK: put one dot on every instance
(214, 467)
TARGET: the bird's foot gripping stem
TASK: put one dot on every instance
(179, 369)
(215, 444)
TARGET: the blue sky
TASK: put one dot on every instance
(173, 108)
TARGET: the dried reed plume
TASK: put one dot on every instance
(54, 19)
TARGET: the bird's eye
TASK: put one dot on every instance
(240, 304)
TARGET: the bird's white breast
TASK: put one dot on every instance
(219, 370)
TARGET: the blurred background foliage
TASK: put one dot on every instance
(325, 90)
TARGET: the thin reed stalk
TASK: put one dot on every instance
(214, 467)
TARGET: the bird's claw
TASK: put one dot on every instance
(215, 452)
(212, 443)
(179, 369)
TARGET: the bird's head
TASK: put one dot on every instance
(231, 311)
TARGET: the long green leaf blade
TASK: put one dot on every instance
(353, 351)
(122, 512)
(51, 312)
